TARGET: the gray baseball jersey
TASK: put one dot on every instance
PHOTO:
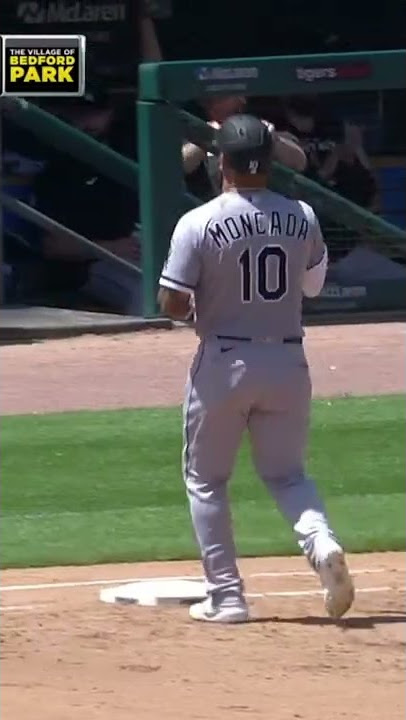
(244, 256)
(247, 257)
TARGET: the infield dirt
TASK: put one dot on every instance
(67, 656)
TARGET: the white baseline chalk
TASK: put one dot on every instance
(281, 593)
(122, 581)
(25, 608)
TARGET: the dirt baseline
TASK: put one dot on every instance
(67, 656)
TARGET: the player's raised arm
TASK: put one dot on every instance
(316, 270)
(288, 152)
(181, 271)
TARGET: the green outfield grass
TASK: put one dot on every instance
(97, 487)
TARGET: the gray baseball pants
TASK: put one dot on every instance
(235, 386)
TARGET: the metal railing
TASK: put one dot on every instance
(62, 136)
(124, 171)
(46, 223)
(53, 131)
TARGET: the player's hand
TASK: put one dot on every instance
(286, 135)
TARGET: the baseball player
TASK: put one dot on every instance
(247, 257)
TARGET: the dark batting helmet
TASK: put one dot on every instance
(246, 143)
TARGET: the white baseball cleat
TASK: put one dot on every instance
(207, 612)
(337, 583)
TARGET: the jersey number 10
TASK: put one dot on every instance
(255, 271)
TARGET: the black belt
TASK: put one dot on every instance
(270, 339)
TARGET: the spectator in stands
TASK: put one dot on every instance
(75, 195)
(336, 158)
(94, 206)
(202, 170)
(348, 171)
(150, 47)
(22, 159)
(316, 133)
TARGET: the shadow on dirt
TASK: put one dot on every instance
(366, 622)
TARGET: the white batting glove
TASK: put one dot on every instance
(270, 126)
